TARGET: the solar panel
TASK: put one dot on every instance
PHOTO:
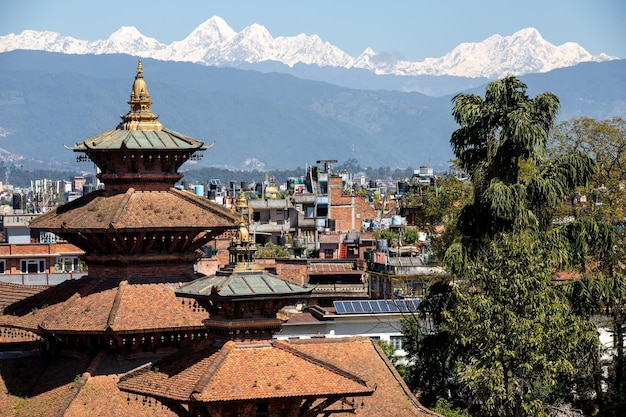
(376, 306)
(358, 306)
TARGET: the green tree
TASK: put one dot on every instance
(602, 288)
(524, 343)
(433, 350)
(410, 237)
(501, 144)
(509, 320)
(391, 237)
(392, 355)
(605, 142)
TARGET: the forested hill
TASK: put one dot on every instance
(264, 120)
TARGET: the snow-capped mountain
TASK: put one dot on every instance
(216, 43)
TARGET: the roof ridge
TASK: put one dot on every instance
(213, 367)
(122, 205)
(116, 303)
(141, 369)
(193, 198)
(280, 344)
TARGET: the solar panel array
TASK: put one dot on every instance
(405, 305)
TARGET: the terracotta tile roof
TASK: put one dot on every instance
(365, 359)
(44, 388)
(242, 372)
(172, 378)
(90, 305)
(12, 293)
(99, 397)
(155, 306)
(137, 210)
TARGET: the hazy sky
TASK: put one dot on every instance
(414, 29)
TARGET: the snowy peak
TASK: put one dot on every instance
(215, 43)
(214, 30)
(124, 39)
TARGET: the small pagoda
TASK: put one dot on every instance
(139, 224)
(242, 298)
(242, 371)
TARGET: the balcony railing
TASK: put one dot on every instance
(40, 279)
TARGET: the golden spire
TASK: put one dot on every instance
(242, 202)
(140, 117)
(242, 234)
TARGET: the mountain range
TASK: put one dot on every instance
(276, 103)
(258, 120)
(215, 43)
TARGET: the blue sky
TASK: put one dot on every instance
(413, 29)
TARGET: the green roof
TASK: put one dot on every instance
(139, 140)
(253, 284)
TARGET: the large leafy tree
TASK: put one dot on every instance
(501, 144)
(605, 142)
(602, 287)
(523, 341)
(509, 319)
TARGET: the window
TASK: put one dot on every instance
(2, 266)
(32, 266)
(66, 264)
(329, 253)
(396, 342)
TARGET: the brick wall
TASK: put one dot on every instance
(294, 270)
(347, 210)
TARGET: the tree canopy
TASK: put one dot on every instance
(515, 343)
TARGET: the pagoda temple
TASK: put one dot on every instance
(139, 224)
(145, 335)
(141, 237)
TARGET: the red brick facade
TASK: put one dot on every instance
(347, 210)
(12, 254)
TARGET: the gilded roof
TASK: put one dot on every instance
(137, 210)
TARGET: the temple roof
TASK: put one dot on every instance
(139, 140)
(145, 210)
(306, 368)
(96, 306)
(243, 372)
(256, 283)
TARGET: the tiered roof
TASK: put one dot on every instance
(95, 306)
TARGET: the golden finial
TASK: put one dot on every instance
(140, 117)
(242, 234)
